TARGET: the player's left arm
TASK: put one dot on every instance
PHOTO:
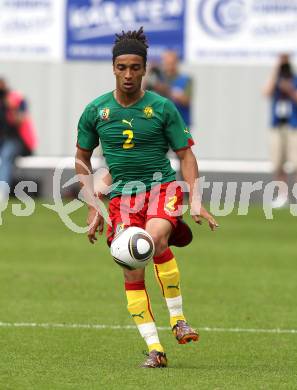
(190, 173)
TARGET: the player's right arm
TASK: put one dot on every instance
(83, 169)
(87, 141)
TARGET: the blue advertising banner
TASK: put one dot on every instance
(91, 25)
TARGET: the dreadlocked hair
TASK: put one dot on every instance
(137, 35)
(130, 42)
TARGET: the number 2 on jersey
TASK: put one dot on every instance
(128, 144)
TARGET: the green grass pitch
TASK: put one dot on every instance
(242, 276)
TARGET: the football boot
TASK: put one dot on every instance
(184, 333)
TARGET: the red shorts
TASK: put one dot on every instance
(164, 201)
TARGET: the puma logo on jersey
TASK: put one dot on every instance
(186, 130)
(127, 122)
(139, 315)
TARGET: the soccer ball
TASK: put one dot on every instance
(132, 248)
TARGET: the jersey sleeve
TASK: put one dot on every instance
(87, 138)
(177, 133)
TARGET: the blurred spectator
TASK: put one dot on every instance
(282, 91)
(167, 81)
(17, 136)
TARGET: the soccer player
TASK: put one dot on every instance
(135, 129)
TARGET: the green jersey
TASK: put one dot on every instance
(134, 139)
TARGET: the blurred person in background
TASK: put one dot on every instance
(167, 81)
(282, 91)
(17, 136)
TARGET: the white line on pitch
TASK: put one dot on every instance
(125, 327)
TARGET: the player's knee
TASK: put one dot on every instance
(161, 244)
(132, 276)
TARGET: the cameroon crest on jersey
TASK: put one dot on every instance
(148, 111)
(104, 114)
